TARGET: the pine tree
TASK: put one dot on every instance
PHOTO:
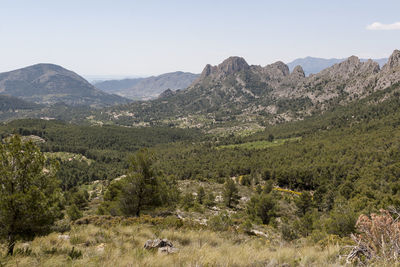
(231, 194)
(29, 192)
(200, 195)
(141, 188)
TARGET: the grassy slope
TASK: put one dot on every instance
(123, 246)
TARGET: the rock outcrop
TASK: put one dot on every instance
(390, 73)
(228, 67)
(298, 73)
(164, 246)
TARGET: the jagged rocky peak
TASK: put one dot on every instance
(353, 60)
(343, 69)
(298, 72)
(354, 65)
(232, 65)
(229, 66)
(370, 67)
(208, 70)
(276, 71)
(394, 60)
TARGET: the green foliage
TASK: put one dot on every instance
(230, 193)
(106, 147)
(201, 195)
(142, 189)
(74, 254)
(262, 208)
(341, 221)
(266, 208)
(29, 194)
(80, 199)
(74, 213)
(210, 200)
(187, 201)
(304, 203)
(141, 185)
(260, 144)
(220, 222)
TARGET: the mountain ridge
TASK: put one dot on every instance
(149, 87)
(313, 65)
(48, 84)
(235, 91)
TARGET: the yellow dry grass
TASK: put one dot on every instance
(123, 246)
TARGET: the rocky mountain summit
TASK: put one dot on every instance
(49, 84)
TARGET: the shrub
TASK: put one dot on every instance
(379, 238)
(74, 254)
(73, 212)
(220, 222)
(200, 195)
(231, 193)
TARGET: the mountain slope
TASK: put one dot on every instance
(238, 93)
(312, 65)
(148, 88)
(10, 103)
(115, 86)
(49, 84)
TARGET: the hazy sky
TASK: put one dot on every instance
(152, 37)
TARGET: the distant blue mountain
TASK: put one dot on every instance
(313, 65)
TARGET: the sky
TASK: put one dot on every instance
(129, 38)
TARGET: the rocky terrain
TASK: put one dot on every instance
(237, 91)
(49, 84)
(148, 88)
(312, 65)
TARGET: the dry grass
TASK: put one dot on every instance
(123, 246)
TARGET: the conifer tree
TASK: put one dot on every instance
(29, 192)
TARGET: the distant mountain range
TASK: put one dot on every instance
(148, 88)
(49, 84)
(232, 91)
(312, 65)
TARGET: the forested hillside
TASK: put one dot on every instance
(302, 180)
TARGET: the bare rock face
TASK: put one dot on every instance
(345, 69)
(297, 73)
(232, 65)
(207, 71)
(393, 62)
(229, 66)
(390, 73)
(276, 71)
